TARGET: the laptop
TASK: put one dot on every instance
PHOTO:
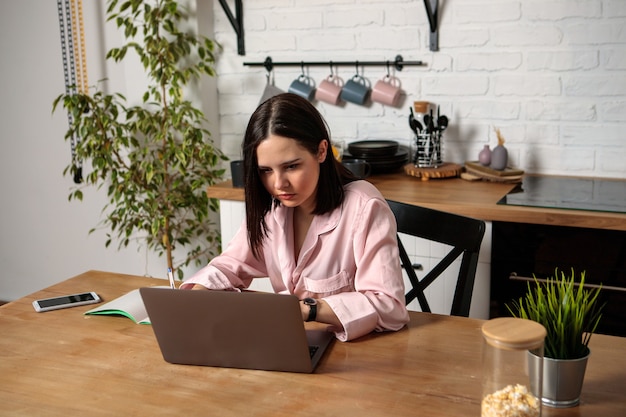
(249, 330)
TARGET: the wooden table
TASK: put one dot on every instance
(473, 199)
(63, 363)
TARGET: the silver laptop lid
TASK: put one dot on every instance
(249, 330)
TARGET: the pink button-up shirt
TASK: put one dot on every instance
(349, 258)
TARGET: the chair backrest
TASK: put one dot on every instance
(463, 234)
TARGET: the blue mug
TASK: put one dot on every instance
(356, 90)
(303, 86)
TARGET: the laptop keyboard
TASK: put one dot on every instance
(312, 350)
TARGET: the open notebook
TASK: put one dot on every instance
(251, 330)
(128, 305)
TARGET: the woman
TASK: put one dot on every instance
(311, 227)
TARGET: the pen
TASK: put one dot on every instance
(170, 276)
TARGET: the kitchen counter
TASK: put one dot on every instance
(473, 199)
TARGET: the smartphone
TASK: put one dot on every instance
(65, 301)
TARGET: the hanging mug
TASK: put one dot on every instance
(387, 91)
(329, 89)
(304, 86)
(356, 90)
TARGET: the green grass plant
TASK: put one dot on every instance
(569, 312)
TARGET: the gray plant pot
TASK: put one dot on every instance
(562, 380)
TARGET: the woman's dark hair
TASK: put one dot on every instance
(290, 116)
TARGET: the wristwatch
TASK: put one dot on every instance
(312, 303)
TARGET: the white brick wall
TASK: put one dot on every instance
(550, 74)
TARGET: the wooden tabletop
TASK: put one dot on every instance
(473, 199)
(62, 363)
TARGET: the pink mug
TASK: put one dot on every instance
(387, 91)
(329, 90)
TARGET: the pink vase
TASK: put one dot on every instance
(484, 156)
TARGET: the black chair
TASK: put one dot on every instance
(463, 234)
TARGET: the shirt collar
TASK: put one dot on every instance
(322, 223)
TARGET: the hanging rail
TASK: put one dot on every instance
(398, 63)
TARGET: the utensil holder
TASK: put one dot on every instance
(426, 150)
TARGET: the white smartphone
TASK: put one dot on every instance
(65, 301)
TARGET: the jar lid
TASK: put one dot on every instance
(514, 333)
(421, 106)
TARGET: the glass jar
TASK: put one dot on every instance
(512, 367)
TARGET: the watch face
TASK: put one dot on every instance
(310, 301)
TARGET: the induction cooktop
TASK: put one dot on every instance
(592, 194)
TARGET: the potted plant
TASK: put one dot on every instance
(570, 313)
(154, 159)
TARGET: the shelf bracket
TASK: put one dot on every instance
(236, 22)
(432, 11)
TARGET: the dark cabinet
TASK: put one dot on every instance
(527, 249)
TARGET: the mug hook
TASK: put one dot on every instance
(269, 67)
(270, 77)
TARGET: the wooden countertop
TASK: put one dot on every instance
(473, 199)
(62, 363)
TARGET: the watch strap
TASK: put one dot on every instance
(312, 303)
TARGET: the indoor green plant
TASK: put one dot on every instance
(155, 159)
(570, 313)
